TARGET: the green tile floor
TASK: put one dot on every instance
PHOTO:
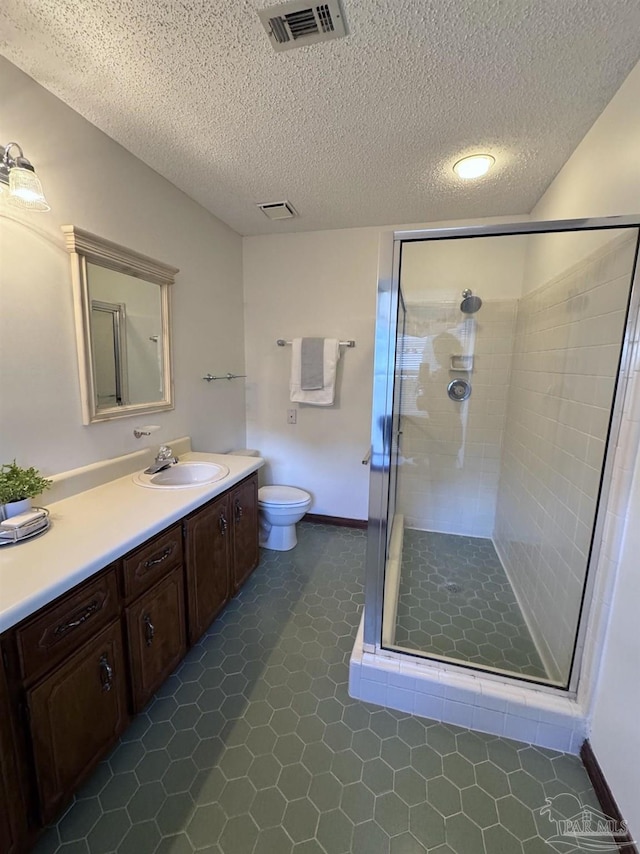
(254, 746)
(456, 601)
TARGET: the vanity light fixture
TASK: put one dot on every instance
(19, 177)
(474, 166)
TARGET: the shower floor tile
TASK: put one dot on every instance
(253, 745)
(455, 600)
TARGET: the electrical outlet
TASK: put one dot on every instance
(292, 416)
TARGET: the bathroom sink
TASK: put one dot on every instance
(183, 475)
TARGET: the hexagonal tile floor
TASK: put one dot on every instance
(455, 600)
(254, 746)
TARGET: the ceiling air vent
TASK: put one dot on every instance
(278, 210)
(298, 23)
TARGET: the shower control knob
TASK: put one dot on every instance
(459, 390)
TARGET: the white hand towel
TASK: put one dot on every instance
(325, 395)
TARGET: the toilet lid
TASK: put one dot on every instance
(282, 495)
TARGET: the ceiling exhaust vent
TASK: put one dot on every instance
(278, 210)
(300, 22)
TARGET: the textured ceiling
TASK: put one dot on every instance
(358, 131)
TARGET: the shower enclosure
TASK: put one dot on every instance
(500, 366)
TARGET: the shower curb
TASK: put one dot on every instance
(441, 693)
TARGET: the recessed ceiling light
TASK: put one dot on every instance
(473, 167)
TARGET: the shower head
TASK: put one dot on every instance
(470, 303)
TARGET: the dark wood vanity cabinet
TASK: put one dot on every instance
(244, 512)
(82, 664)
(76, 713)
(13, 815)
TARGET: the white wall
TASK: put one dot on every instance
(93, 183)
(602, 179)
(312, 284)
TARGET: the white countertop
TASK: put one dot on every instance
(93, 528)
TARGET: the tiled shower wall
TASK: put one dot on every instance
(448, 477)
(567, 342)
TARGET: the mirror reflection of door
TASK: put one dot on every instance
(136, 357)
(108, 330)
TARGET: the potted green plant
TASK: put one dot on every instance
(18, 486)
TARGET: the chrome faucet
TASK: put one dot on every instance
(164, 459)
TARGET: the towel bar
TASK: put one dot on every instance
(282, 343)
(210, 378)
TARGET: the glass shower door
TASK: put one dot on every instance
(503, 390)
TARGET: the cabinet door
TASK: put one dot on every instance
(207, 554)
(13, 819)
(157, 636)
(77, 712)
(244, 510)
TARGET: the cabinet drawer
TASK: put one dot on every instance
(152, 561)
(59, 629)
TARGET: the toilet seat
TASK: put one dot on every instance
(289, 496)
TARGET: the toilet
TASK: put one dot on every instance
(281, 508)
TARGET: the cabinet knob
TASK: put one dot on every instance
(149, 629)
(106, 673)
(239, 511)
(223, 524)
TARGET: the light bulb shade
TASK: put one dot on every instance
(473, 167)
(26, 190)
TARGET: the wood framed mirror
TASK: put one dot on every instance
(123, 329)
